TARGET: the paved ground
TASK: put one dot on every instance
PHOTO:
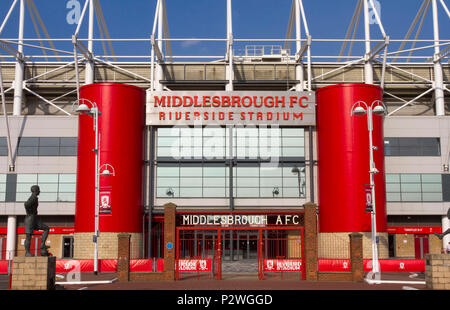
(245, 282)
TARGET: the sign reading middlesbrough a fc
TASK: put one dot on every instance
(230, 108)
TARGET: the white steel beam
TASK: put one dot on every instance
(19, 72)
(90, 64)
(438, 76)
(229, 56)
(7, 15)
(299, 75)
(368, 68)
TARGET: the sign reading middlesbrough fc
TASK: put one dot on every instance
(287, 108)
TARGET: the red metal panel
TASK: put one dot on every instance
(121, 125)
(343, 156)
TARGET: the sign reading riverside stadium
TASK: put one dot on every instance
(285, 108)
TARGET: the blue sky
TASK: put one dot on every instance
(207, 19)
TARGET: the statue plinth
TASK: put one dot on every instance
(33, 273)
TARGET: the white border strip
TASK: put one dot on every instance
(87, 282)
(395, 282)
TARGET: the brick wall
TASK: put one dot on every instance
(437, 271)
(83, 246)
(404, 245)
(33, 273)
(336, 245)
(53, 240)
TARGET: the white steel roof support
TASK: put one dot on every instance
(229, 69)
(299, 74)
(90, 64)
(368, 68)
(158, 48)
(19, 71)
(438, 76)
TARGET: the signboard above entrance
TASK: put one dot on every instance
(285, 108)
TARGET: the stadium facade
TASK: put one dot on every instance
(238, 142)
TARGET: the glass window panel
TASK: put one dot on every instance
(293, 152)
(3, 142)
(2, 187)
(432, 196)
(293, 132)
(293, 142)
(48, 188)
(22, 196)
(48, 196)
(274, 182)
(214, 171)
(290, 182)
(269, 131)
(169, 132)
(67, 178)
(2, 196)
(190, 192)
(248, 171)
(214, 132)
(163, 192)
(68, 151)
(246, 132)
(24, 178)
(290, 192)
(214, 182)
(431, 178)
(3, 178)
(168, 182)
(49, 151)
(411, 197)
(393, 197)
(432, 188)
(168, 152)
(24, 187)
(392, 178)
(27, 141)
(3, 151)
(247, 182)
(193, 171)
(28, 151)
(214, 192)
(67, 188)
(168, 171)
(48, 178)
(247, 192)
(49, 142)
(192, 182)
(66, 197)
(411, 187)
(268, 192)
(393, 187)
(71, 141)
(270, 172)
(168, 141)
(410, 178)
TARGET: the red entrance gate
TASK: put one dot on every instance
(215, 252)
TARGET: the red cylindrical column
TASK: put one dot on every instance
(344, 159)
(121, 127)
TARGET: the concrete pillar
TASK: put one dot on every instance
(11, 237)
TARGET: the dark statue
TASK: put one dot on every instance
(32, 223)
(440, 236)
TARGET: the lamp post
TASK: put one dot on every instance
(361, 108)
(93, 112)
